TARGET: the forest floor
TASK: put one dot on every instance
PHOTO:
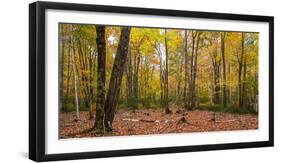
(153, 121)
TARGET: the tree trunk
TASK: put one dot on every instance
(101, 45)
(224, 93)
(136, 78)
(240, 72)
(190, 85)
(244, 80)
(66, 100)
(216, 72)
(185, 71)
(194, 99)
(157, 47)
(116, 78)
(179, 81)
(166, 86)
(62, 106)
(85, 78)
(129, 76)
(211, 91)
(74, 75)
(193, 70)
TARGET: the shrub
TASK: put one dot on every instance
(229, 109)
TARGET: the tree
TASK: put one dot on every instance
(240, 67)
(224, 91)
(74, 73)
(216, 66)
(161, 72)
(166, 84)
(62, 48)
(163, 68)
(101, 45)
(68, 73)
(116, 78)
(129, 74)
(185, 71)
(193, 69)
(84, 68)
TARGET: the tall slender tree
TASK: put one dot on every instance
(62, 48)
(74, 73)
(240, 68)
(185, 71)
(166, 85)
(224, 89)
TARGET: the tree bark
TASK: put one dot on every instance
(66, 100)
(62, 103)
(116, 78)
(74, 75)
(166, 86)
(244, 80)
(129, 89)
(240, 67)
(157, 47)
(136, 78)
(86, 81)
(224, 91)
(101, 45)
(194, 99)
(190, 85)
(185, 71)
(216, 63)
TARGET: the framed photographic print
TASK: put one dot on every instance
(111, 81)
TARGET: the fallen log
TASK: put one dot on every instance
(231, 120)
(141, 120)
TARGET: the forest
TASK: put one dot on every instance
(120, 80)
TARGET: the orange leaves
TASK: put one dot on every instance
(152, 121)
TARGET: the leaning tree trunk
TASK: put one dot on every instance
(116, 78)
(101, 45)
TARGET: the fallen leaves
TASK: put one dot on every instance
(151, 121)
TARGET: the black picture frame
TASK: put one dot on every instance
(37, 80)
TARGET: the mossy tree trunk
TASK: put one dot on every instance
(116, 78)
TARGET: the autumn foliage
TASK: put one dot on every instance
(129, 80)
